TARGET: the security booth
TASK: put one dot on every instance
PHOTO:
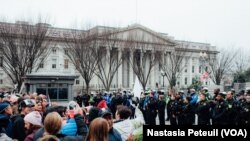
(58, 87)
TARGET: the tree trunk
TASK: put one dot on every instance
(87, 86)
(144, 87)
(19, 85)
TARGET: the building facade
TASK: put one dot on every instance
(58, 77)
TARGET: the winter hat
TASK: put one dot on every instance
(93, 113)
(3, 106)
(102, 104)
(72, 105)
(34, 118)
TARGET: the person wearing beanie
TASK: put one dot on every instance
(93, 113)
(24, 107)
(33, 121)
(102, 104)
(114, 135)
(5, 122)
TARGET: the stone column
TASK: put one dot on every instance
(154, 69)
(130, 69)
(120, 69)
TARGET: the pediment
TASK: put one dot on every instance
(143, 34)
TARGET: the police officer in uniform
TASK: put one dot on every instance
(151, 109)
(172, 110)
(79, 99)
(232, 108)
(245, 113)
(161, 109)
(180, 105)
(220, 109)
(186, 114)
(203, 110)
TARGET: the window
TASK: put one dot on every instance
(193, 60)
(66, 63)
(206, 83)
(199, 69)
(1, 61)
(178, 83)
(185, 69)
(192, 69)
(41, 65)
(77, 82)
(66, 51)
(77, 64)
(206, 69)
(186, 80)
(1, 81)
(54, 50)
(53, 63)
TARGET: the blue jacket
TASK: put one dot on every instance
(70, 128)
(194, 99)
(114, 135)
(5, 125)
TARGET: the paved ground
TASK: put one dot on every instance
(64, 103)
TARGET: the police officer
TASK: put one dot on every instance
(203, 110)
(79, 99)
(151, 109)
(173, 110)
(85, 99)
(220, 109)
(180, 104)
(161, 109)
(241, 99)
(245, 113)
(231, 108)
(186, 114)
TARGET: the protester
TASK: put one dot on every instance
(24, 107)
(5, 121)
(114, 135)
(33, 121)
(98, 130)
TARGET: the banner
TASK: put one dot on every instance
(137, 88)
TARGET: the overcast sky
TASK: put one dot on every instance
(223, 23)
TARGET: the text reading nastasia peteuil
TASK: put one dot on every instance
(221, 133)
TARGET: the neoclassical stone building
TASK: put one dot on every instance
(58, 77)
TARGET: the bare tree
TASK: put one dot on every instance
(110, 56)
(82, 51)
(23, 47)
(240, 65)
(145, 56)
(219, 65)
(173, 62)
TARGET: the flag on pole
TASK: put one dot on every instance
(137, 88)
(204, 76)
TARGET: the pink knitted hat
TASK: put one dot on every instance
(34, 118)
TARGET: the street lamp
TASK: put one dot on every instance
(163, 75)
(203, 57)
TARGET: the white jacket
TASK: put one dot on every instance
(128, 126)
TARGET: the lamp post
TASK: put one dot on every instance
(163, 75)
(203, 57)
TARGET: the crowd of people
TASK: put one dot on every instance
(116, 116)
(31, 117)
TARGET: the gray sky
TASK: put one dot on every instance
(223, 23)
